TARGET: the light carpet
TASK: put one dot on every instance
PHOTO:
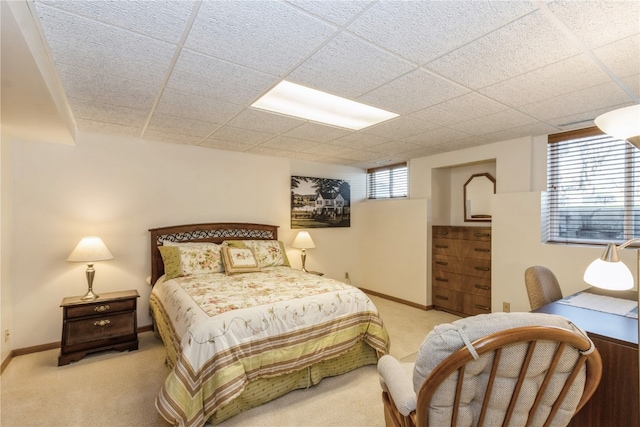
(119, 389)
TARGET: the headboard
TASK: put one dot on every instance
(216, 232)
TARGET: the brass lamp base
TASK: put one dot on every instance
(90, 274)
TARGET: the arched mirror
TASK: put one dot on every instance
(477, 197)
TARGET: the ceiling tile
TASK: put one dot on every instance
(337, 11)
(522, 46)
(196, 107)
(263, 121)
(107, 128)
(607, 94)
(569, 75)
(359, 141)
(518, 132)
(584, 118)
(422, 31)
(412, 92)
(243, 136)
(502, 120)
(461, 144)
(399, 128)
(462, 108)
(438, 136)
(263, 35)
(396, 147)
(622, 57)
(349, 67)
(180, 125)
(213, 78)
(289, 144)
(328, 150)
(96, 86)
(597, 23)
(176, 138)
(317, 132)
(89, 44)
(169, 18)
(108, 113)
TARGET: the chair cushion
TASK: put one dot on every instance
(448, 338)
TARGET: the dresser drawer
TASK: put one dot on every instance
(461, 283)
(100, 308)
(460, 302)
(442, 298)
(459, 265)
(462, 248)
(462, 233)
(99, 328)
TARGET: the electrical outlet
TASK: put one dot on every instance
(6, 335)
(346, 274)
(506, 307)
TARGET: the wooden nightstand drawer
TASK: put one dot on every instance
(99, 328)
(100, 308)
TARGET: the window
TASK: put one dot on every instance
(593, 188)
(387, 182)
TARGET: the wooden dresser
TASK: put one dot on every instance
(107, 322)
(461, 266)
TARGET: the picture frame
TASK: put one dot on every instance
(320, 202)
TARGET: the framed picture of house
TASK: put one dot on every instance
(320, 202)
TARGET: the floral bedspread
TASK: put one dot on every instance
(241, 327)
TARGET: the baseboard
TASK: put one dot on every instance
(45, 347)
(5, 362)
(398, 300)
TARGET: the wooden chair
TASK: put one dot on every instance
(509, 369)
(542, 286)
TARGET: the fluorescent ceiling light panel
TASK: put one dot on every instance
(300, 101)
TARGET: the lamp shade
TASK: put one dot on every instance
(303, 241)
(609, 275)
(623, 123)
(90, 249)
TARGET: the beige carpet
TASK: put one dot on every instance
(119, 389)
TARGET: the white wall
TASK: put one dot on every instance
(118, 188)
(392, 246)
(6, 308)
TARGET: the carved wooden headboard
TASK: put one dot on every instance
(216, 232)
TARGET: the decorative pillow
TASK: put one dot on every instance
(194, 258)
(269, 253)
(200, 259)
(239, 260)
(171, 259)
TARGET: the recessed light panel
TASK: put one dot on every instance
(311, 104)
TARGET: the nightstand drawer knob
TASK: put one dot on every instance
(101, 322)
(101, 308)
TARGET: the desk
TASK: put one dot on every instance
(615, 402)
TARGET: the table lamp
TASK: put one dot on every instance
(303, 241)
(90, 250)
(608, 272)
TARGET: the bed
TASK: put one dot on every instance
(241, 327)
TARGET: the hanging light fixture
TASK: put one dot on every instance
(623, 123)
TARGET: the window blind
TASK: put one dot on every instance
(593, 184)
(387, 182)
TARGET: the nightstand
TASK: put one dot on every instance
(104, 323)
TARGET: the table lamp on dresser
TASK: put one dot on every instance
(90, 250)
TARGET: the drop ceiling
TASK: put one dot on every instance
(458, 73)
